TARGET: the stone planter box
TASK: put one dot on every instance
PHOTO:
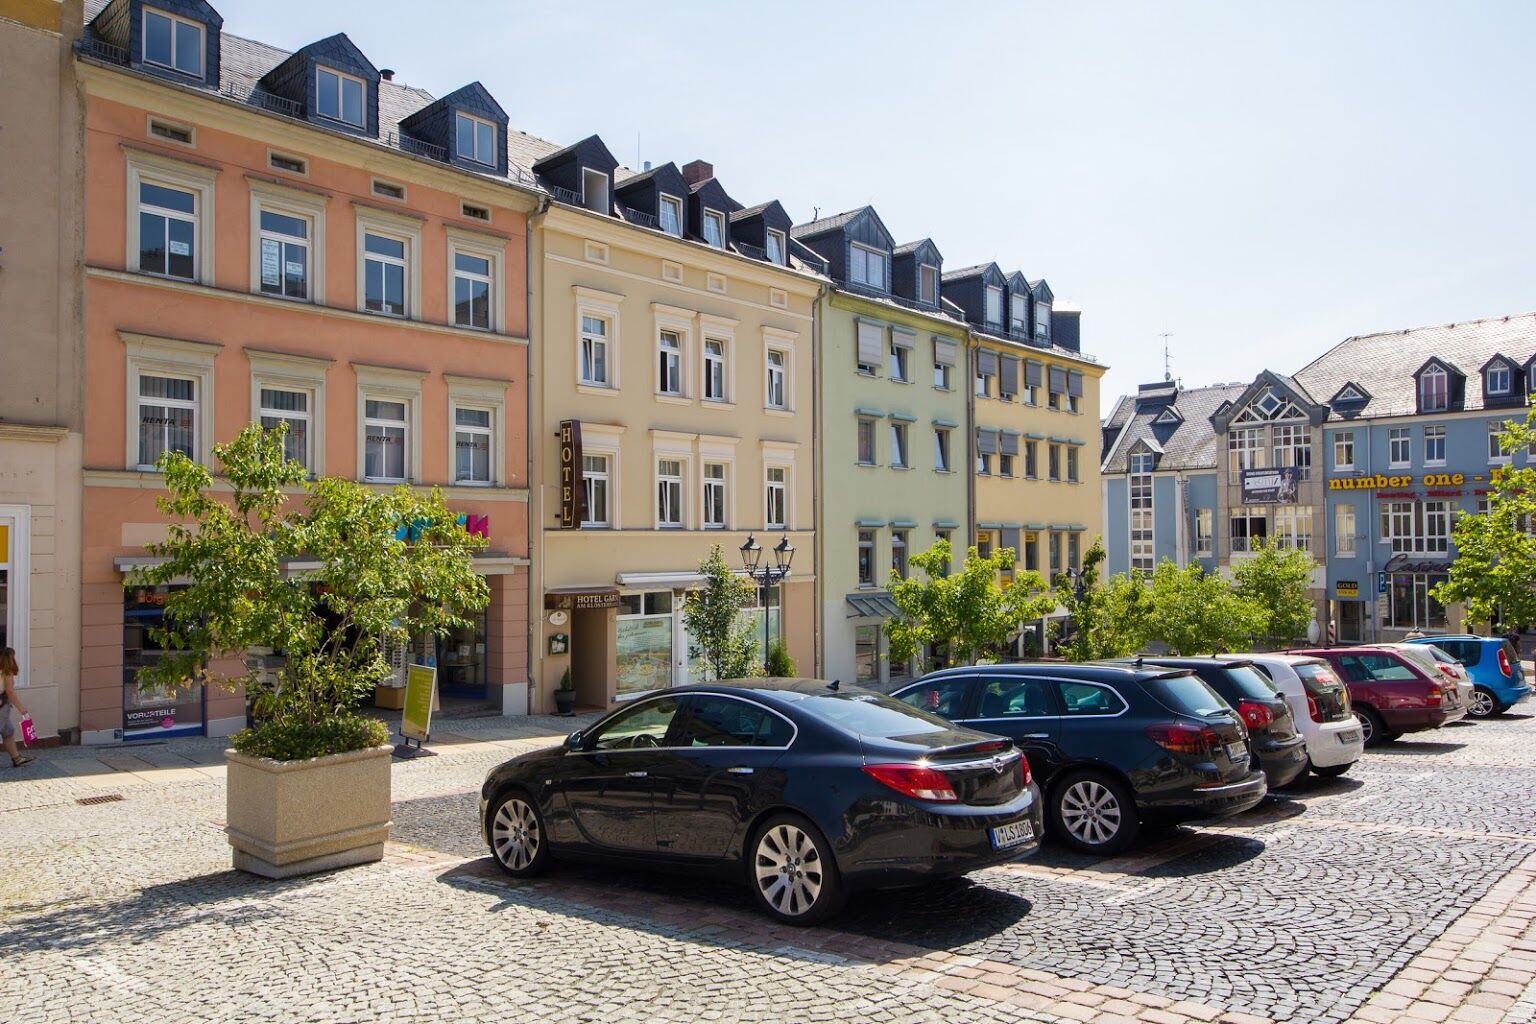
(288, 818)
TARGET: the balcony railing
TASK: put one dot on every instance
(100, 49)
(259, 97)
(641, 218)
(566, 195)
(408, 144)
(756, 252)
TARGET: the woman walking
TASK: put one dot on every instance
(8, 672)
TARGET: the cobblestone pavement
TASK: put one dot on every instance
(1404, 892)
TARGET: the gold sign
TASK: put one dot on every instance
(1348, 588)
(572, 490)
(1379, 482)
(580, 601)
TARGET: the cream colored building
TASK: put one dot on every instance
(40, 345)
(674, 338)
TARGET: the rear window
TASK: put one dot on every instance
(873, 714)
(1317, 677)
(1188, 695)
(1248, 682)
(1384, 667)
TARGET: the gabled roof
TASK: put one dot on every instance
(975, 270)
(1349, 394)
(748, 212)
(911, 248)
(474, 97)
(590, 147)
(826, 225)
(1170, 415)
(328, 49)
(1190, 443)
(1042, 291)
(1499, 357)
(1281, 389)
(1436, 361)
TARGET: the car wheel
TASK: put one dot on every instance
(1372, 729)
(519, 841)
(792, 872)
(1332, 771)
(1484, 704)
(1094, 813)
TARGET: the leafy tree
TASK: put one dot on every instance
(713, 619)
(779, 664)
(1109, 618)
(1193, 612)
(965, 613)
(1494, 573)
(1275, 582)
(244, 554)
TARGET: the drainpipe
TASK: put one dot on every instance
(535, 407)
(968, 383)
(818, 519)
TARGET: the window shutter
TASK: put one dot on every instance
(1010, 539)
(986, 361)
(1032, 372)
(904, 338)
(986, 442)
(944, 352)
(1058, 380)
(1010, 375)
(1075, 383)
(871, 346)
(1010, 444)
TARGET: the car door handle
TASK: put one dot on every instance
(740, 771)
(635, 775)
(1037, 736)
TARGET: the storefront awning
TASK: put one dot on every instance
(871, 604)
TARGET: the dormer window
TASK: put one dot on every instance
(671, 210)
(928, 283)
(1043, 321)
(1497, 381)
(594, 191)
(776, 247)
(1434, 390)
(714, 228)
(866, 266)
(338, 96)
(172, 42)
(476, 139)
(1018, 314)
(994, 304)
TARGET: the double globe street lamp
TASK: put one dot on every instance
(766, 576)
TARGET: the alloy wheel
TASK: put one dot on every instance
(515, 834)
(788, 869)
(1091, 812)
(1483, 704)
(1367, 730)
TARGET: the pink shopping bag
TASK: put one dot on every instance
(28, 731)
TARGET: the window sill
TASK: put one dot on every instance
(936, 387)
(866, 373)
(715, 403)
(898, 380)
(944, 472)
(386, 316)
(867, 465)
(1403, 465)
(1437, 464)
(904, 469)
(597, 389)
(674, 399)
(770, 410)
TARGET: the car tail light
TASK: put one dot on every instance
(1504, 665)
(1195, 740)
(914, 780)
(1255, 715)
(1313, 711)
(1447, 671)
(1023, 769)
(1436, 696)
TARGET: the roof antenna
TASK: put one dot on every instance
(815, 213)
(1167, 359)
(834, 685)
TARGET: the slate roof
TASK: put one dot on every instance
(1191, 444)
(1384, 364)
(963, 272)
(825, 224)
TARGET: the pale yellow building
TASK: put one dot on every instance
(671, 411)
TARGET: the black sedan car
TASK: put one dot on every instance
(1110, 745)
(802, 788)
(1278, 747)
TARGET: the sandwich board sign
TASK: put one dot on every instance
(416, 716)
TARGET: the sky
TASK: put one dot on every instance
(1258, 180)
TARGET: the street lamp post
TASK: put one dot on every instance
(765, 576)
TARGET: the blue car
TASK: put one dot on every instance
(1494, 666)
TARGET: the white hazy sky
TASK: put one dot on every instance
(1260, 179)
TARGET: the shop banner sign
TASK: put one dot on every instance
(572, 488)
(1276, 486)
(1348, 588)
(420, 688)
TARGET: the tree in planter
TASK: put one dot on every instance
(1274, 583)
(1109, 618)
(368, 589)
(967, 613)
(712, 617)
(1494, 573)
(779, 665)
(1195, 612)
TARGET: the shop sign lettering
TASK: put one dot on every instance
(572, 491)
(1380, 482)
(580, 601)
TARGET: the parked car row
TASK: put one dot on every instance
(807, 790)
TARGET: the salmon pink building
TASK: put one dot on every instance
(292, 238)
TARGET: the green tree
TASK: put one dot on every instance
(1195, 612)
(714, 621)
(779, 664)
(1109, 618)
(1494, 573)
(966, 613)
(1275, 582)
(312, 568)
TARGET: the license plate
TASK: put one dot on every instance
(1237, 751)
(1351, 736)
(1017, 834)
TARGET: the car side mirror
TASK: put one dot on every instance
(575, 740)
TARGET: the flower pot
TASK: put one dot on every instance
(565, 701)
(288, 818)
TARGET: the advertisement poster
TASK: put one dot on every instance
(420, 687)
(1276, 486)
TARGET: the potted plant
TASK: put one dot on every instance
(565, 696)
(323, 571)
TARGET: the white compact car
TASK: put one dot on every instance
(1320, 704)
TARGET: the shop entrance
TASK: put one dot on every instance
(1351, 622)
(162, 711)
(591, 650)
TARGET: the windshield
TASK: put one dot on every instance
(1250, 683)
(873, 714)
(1187, 694)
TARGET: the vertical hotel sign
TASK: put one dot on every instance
(572, 492)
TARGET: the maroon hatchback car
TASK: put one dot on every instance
(1391, 694)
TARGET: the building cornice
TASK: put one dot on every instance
(713, 297)
(892, 313)
(136, 480)
(37, 433)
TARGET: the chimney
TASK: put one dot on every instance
(388, 74)
(698, 171)
(647, 166)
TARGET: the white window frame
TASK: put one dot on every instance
(401, 228)
(723, 330)
(1344, 440)
(1503, 369)
(1344, 529)
(1074, 461)
(873, 546)
(1141, 511)
(1205, 532)
(202, 42)
(293, 373)
(1018, 314)
(1434, 437)
(1292, 527)
(707, 484)
(1444, 401)
(780, 455)
(717, 219)
(928, 283)
(679, 480)
(481, 247)
(587, 479)
(770, 487)
(715, 367)
(1497, 456)
(670, 345)
(859, 256)
(169, 357)
(1399, 443)
(482, 393)
(603, 306)
(900, 361)
(605, 441)
(943, 456)
(901, 445)
(389, 384)
(874, 442)
(600, 203)
(782, 373)
(1245, 449)
(674, 203)
(290, 202)
(777, 237)
(994, 299)
(170, 173)
(341, 79)
(477, 122)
